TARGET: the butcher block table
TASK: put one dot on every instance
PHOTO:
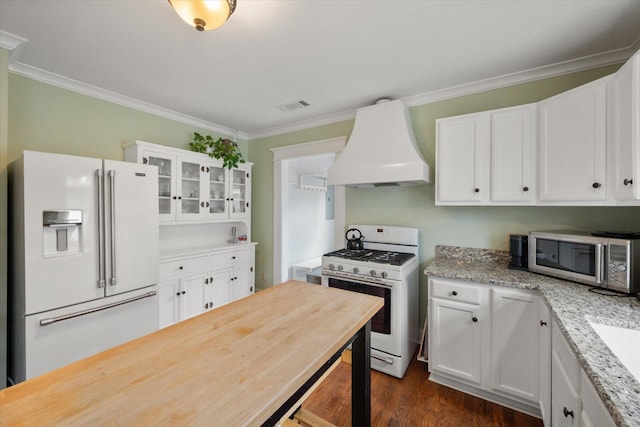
(246, 363)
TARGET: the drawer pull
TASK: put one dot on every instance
(567, 413)
(627, 181)
(454, 293)
(475, 319)
(543, 323)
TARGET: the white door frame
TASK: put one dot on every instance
(324, 146)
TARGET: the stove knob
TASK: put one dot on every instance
(373, 273)
(339, 268)
(384, 274)
(356, 270)
(332, 267)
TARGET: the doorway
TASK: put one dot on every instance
(309, 215)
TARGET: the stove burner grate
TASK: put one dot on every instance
(372, 255)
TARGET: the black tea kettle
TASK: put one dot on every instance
(354, 243)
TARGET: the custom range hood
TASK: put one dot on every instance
(381, 151)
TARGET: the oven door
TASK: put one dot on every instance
(384, 334)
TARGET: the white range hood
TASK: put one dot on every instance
(381, 151)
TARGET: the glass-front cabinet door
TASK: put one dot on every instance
(240, 189)
(218, 195)
(189, 197)
(166, 183)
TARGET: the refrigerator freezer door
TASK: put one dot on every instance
(131, 226)
(54, 276)
(59, 337)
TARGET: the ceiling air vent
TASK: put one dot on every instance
(291, 106)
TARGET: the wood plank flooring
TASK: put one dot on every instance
(413, 401)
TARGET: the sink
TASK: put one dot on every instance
(623, 341)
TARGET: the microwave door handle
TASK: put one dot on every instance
(599, 263)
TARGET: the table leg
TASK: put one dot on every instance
(361, 378)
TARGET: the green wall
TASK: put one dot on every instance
(43, 117)
(482, 227)
(47, 118)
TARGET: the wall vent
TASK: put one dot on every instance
(291, 106)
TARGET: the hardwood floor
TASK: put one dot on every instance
(413, 401)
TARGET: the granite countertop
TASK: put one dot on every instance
(571, 304)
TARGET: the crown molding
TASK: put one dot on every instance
(554, 70)
(14, 43)
(303, 124)
(10, 41)
(116, 98)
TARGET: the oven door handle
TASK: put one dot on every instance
(382, 359)
(357, 281)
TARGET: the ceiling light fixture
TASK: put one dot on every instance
(204, 14)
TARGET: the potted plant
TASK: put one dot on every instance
(221, 148)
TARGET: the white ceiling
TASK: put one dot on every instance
(336, 55)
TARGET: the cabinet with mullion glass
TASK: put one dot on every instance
(190, 199)
(218, 194)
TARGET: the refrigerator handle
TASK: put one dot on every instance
(101, 262)
(112, 203)
(51, 320)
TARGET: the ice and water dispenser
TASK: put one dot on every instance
(62, 231)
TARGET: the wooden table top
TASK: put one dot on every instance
(235, 365)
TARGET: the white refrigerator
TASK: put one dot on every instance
(83, 261)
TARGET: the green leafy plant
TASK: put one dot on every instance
(220, 148)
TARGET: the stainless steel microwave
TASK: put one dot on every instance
(596, 259)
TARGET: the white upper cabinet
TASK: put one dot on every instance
(461, 159)
(193, 187)
(625, 130)
(573, 144)
(486, 158)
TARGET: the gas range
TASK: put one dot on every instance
(386, 267)
(371, 264)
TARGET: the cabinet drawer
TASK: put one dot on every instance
(226, 259)
(184, 266)
(566, 356)
(456, 291)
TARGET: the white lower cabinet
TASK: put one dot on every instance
(191, 285)
(575, 402)
(484, 340)
(566, 405)
(594, 413)
(499, 343)
(456, 337)
(544, 364)
(514, 343)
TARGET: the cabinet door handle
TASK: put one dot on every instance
(181, 268)
(525, 189)
(476, 190)
(596, 185)
(145, 161)
(475, 319)
(206, 280)
(567, 413)
(202, 204)
(184, 292)
(543, 323)
(178, 293)
(627, 181)
(454, 293)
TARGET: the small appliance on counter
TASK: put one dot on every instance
(609, 260)
(519, 250)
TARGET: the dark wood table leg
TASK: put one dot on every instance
(361, 378)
